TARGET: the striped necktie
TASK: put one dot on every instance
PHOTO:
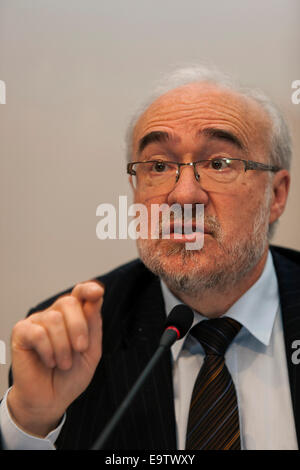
(213, 422)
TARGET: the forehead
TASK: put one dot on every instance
(190, 109)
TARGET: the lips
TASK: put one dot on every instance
(187, 228)
(182, 232)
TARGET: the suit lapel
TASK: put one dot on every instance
(288, 274)
(150, 423)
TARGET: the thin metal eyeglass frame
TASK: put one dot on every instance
(248, 164)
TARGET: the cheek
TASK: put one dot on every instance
(236, 213)
(148, 201)
(145, 197)
(150, 226)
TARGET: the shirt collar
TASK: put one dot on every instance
(255, 310)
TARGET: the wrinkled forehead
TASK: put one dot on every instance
(196, 107)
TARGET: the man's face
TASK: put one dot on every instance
(201, 121)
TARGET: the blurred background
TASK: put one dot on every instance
(75, 71)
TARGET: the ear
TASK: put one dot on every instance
(280, 189)
(131, 183)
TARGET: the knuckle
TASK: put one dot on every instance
(18, 328)
(69, 301)
(77, 287)
(54, 317)
(38, 334)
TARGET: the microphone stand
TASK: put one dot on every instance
(168, 338)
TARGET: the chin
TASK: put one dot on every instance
(169, 259)
(215, 266)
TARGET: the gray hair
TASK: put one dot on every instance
(280, 146)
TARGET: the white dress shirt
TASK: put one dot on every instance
(256, 360)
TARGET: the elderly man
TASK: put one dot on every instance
(231, 384)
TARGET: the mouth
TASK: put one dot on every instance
(183, 232)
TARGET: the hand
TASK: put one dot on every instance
(54, 356)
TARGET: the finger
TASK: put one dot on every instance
(90, 291)
(76, 322)
(54, 324)
(95, 336)
(31, 336)
(90, 294)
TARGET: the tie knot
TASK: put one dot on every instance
(216, 335)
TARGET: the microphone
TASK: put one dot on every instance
(178, 323)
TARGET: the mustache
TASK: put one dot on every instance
(210, 224)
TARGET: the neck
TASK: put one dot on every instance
(213, 303)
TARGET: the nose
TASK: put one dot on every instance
(188, 190)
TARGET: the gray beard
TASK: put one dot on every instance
(225, 271)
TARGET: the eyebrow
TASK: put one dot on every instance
(221, 134)
(154, 136)
(210, 132)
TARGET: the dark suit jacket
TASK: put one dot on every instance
(133, 320)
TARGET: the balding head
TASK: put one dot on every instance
(198, 107)
(280, 140)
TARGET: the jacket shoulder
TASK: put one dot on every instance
(120, 279)
(285, 258)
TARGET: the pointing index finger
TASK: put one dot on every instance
(90, 291)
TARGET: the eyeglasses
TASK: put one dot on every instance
(161, 174)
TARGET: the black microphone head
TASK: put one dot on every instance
(181, 317)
